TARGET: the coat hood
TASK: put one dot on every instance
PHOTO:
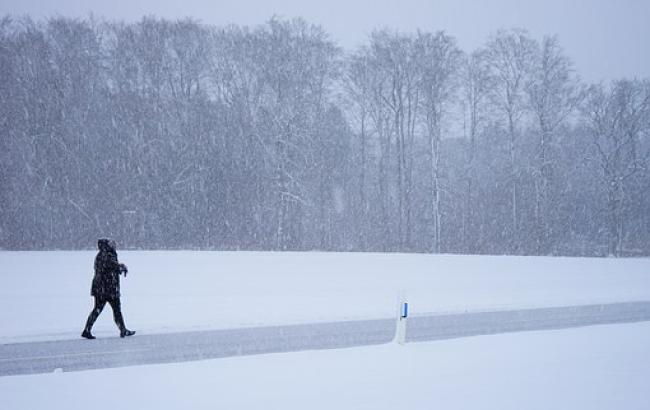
(106, 245)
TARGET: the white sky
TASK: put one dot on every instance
(605, 38)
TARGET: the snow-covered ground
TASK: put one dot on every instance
(45, 295)
(598, 367)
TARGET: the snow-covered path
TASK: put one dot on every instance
(71, 355)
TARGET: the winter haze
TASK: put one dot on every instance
(333, 205)
(606, 39)
(444, 127)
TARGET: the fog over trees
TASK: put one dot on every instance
(175, 134)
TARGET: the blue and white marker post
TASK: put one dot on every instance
(402, 316)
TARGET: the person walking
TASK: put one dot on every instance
(106, 287)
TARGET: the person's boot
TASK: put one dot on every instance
(126, 332)
(86, 334)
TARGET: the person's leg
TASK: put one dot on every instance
(117, 313)
(92, 317)
(119, 319)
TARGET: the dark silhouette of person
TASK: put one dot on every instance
(106, 287)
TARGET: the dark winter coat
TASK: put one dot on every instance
(106, 283)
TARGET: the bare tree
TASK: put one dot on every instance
(382, 126)
(617, 117)
(438, 60)
(357, 81)
(396, 59)
(298, 68)
(476, 88)
(554, 93)
(510, 54)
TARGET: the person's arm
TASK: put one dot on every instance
(119, 267)
(111, 264)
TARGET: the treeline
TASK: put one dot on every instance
(175, 134)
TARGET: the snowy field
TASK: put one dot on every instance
(45, 295)
(598, 367)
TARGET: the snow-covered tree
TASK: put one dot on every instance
(510, 54)
(617, 119)
(554, 92)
